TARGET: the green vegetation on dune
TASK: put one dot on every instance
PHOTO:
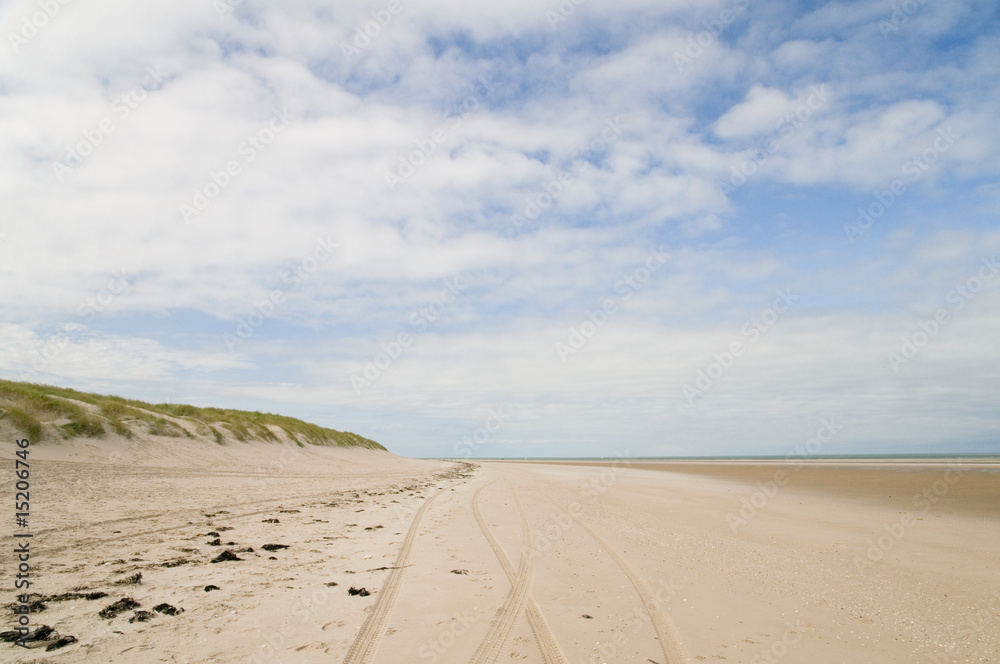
(36, 410)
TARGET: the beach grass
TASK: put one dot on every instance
(46, 411)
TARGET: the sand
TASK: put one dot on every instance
(630, 562)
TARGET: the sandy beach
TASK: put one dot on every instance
(625, 561)
(323, 322)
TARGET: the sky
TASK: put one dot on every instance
(470, 229)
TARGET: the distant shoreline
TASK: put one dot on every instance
(966, 485)
(856, 458)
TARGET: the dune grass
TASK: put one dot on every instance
(36, 409)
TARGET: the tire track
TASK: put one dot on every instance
(502, 625)
(366, 643)
(551, 652)
(667, 634)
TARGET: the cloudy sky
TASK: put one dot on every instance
(520, 228)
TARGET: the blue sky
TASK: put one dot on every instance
(514, 229)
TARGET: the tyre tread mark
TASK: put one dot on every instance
(551, 652)
(366, 643)
(668, 636)
(502, 624)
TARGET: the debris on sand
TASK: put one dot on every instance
(168, 610)
(175, 563)
(215, 542)
(35, 604)
(134, 580)
(362, 592)
(109, 562)
(210, 588)
(223, 529)
(40, 634)
(274, 547)
(224, 556)
(587, 616)
(459, 571)
(270, 521)
(211, 534)
(331, 584)
(288, 511)
(121, 606)
(61, 643)
(142, 616)
(96, 594)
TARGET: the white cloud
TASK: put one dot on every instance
(351, 119)
(760, 112)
